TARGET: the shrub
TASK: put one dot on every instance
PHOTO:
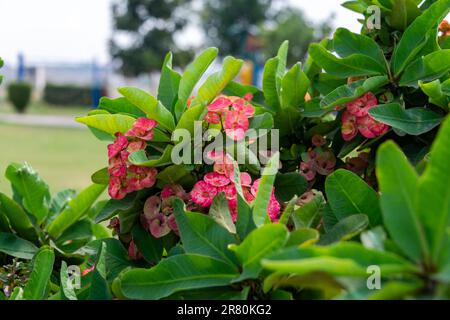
(1, 65)
(67, 95)
(19, 94)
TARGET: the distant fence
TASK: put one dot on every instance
(67, 95)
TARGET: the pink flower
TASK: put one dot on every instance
(115, 189)
(158, 226)
(220, 104)
(212, 118)
(133, 252)
(325, 162)
(203, 193)
(318, 140)
(248, 96)
(308, 170)
(229, 190)
(119, 144)
(361, 106)
(246, 179)
(172, 223)
(88, 270)
(349, 127)
(117, 166)
(371, 128)
(136, 145)
(152, 207)
(236, 124)
(241, 106)
(273, 208)
(174, 190)
(216, 179)
(142, 129)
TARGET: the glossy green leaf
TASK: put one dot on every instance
(435, 91)
(433, 204)
(114, 207)
(177, 273)
(355, 65)
(36, 287)
(294, 86)
(169, 83)
(200, 234)
(150, 106)
(188, 118)
(347, 43)
(427, 68)
(17, 247)
(33, 190)
(109, 123)
(398, 183)
(403, 13)
(67, 289)
(120, 105)
(270, 84)
(288, 185)
(416, 35)
(414, 121)
(257, 245)
(100, 176)
(345, 229)
(264, 192)
(75, 209)
(348, 194)
(150, 247)
(17, 218)
(139, 158)
(303, 237)
(347, 93)
(191, 76)
(216, 82)
(309, 213)
(220, 212)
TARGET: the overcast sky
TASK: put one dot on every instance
(78, 30)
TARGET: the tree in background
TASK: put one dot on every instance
(144, 32)
(227, 23)
(291, 24)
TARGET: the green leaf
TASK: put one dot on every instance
(150, 247)
(282, 55)
(188, 118)
(33, 190)
(191, 76)
(175, 174)
(216, 82)
(169, 83)
(308, 214)
(346, 43)
(416, 35)
(200, 234)
(109, 123)
(244, 222)
(427, 68)
(303, 237)
(120, 105)
(348, 194)
(355, 65)
(259, 244)
(355, 5)
(434, 90)
(139, 158)
(348, 93)
(294, 87)
(220, 212)
(36, 287)
(414, 121)
(340, 259)
(100, 176)
(114, 207)
(403, 13)
(150, 106)
(17, 247)
(265, 188)
(288, 185)
(75, 210)
(270, 84)
(17, 218)
(174, 274)
(433, 205)
(67, 290)
(398, 183)
(345, 229)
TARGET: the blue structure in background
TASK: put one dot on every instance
(20, 67)
(96, 91)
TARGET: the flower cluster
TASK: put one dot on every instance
(444, 28)
(158, 218)
(125, 177)
(356, 119)
(233, 112)
(222, 180)
(317, 160)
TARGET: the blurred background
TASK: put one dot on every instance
(61, 56)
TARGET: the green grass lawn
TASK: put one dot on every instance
(65, 158)
(42, 108)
